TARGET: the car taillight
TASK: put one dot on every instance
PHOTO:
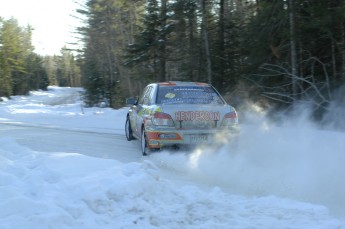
(162, 119)
(230, 119)
(231, 115)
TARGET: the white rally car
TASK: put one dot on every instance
(179, 113)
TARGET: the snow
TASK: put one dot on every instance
(288, 176)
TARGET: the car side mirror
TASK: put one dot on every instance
(131, 101)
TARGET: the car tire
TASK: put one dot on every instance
(128, 129)
(143, 143)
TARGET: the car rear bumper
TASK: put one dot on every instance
(167, 137)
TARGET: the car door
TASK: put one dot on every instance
(143, 108)
(135, 109)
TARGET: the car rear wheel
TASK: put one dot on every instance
(128, 129)
(144, 148)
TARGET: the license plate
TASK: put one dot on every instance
(194, 139)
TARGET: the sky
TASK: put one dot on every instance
(265, 181)
(51, 19)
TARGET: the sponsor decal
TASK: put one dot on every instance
(197, 115)
(189, 88)
(170, 95)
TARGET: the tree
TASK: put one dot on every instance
(183, 42)
(302, 55)
(5, 71)
(149, 47)
(21, 69)
(288, 51)
(293, 48)
(36, 73)
(107, 33)
(206, 41)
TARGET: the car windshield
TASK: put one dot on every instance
(188, 95)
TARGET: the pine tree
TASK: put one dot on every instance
(19, 64)
(149, 47)
(107, 33)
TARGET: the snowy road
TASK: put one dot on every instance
(64, 166)
(90, 143)
(50, 139)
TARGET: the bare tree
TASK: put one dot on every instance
(311, 90)
(293, 48)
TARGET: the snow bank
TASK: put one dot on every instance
(62, 190)
(61, 108)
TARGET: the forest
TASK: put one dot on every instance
(22, 70)
(273, 52)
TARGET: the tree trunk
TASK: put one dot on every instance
(343, 52)
(221, 45)
(206, 43)
(162, 42)
(191, 48)
(293, 49)
(334, 65)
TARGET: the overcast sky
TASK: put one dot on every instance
(51, 19)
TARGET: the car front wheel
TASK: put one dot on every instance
(128, 129)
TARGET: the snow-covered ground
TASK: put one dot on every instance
(287, 176)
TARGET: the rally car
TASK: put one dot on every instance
(179, 113)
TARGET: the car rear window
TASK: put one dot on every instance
(188, 95)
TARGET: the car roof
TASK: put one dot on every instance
(182, 83)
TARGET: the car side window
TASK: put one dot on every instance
(146, 98)
(141, 99)
(151, 96)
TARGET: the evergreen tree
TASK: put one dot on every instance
(107, 33)
(21, 69)
(288, 51)
(184, 42)
(98, 68)
(149, 47)
(5, 71)
(36, 73)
